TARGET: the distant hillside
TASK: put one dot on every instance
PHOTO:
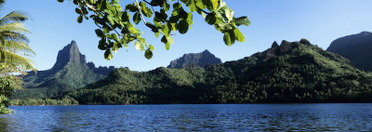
(193, 60)
(71, 71)
(357, 48)
(289, 72)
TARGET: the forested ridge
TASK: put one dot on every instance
(285, 73)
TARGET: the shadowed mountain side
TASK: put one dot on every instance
(289, 72)
(357, 48)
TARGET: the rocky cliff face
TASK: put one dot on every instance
(69, 54)
(357, 48)
(202, 59)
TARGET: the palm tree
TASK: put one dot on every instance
(13, 41)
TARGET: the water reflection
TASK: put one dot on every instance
(249, 117)
(4, 123)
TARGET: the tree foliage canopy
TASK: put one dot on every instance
(116, 25)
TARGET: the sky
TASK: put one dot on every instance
(53, 26)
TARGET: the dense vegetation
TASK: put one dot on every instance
(291, 72)
(357, 48)
(43, 101)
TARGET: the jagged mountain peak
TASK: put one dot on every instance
(69, 54)
(191, 60)
(206, 52)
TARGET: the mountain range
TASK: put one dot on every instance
(287, 73)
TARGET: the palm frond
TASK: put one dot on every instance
(13, 16)
(13, 42)
(16, 47)
(15, 27)
(13, 36)
(14, 59)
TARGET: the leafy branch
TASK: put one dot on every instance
(116, 25)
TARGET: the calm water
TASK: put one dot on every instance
(245, 117)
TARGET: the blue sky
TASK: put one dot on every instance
(54, 25)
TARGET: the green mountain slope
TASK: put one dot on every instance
(291, 72)
(69, 73)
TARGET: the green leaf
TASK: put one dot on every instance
(60, 1)
(174, 19)
(227, 39)
(238, 35)
(116, 47)
(165, 5)
(78, 11)
(225, 12)
(165, 30)
(199, 3)
(160, 16)
(149, 12)
(192, 6)
(148, 54)
(152, 27)
(176, 6)
(138, 46)
(144, 8)
(242, 21)
(172, 26)
(167, 46)
(164, 39)
(211, 19)
(113, 36)
(125, 16)
(183, 26)
(99, 33)
(189, 19)
(168, 41)
(108, 54)
(224, 26)
(208, 4)
(106, 29)
(215, 4)
(151, 47)
(131, 7)
(156, 2)
(102, 44)
(156, 34)
(80, 19)
(137, 17)
(85, 11)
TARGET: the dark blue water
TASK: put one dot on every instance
(244, 117)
